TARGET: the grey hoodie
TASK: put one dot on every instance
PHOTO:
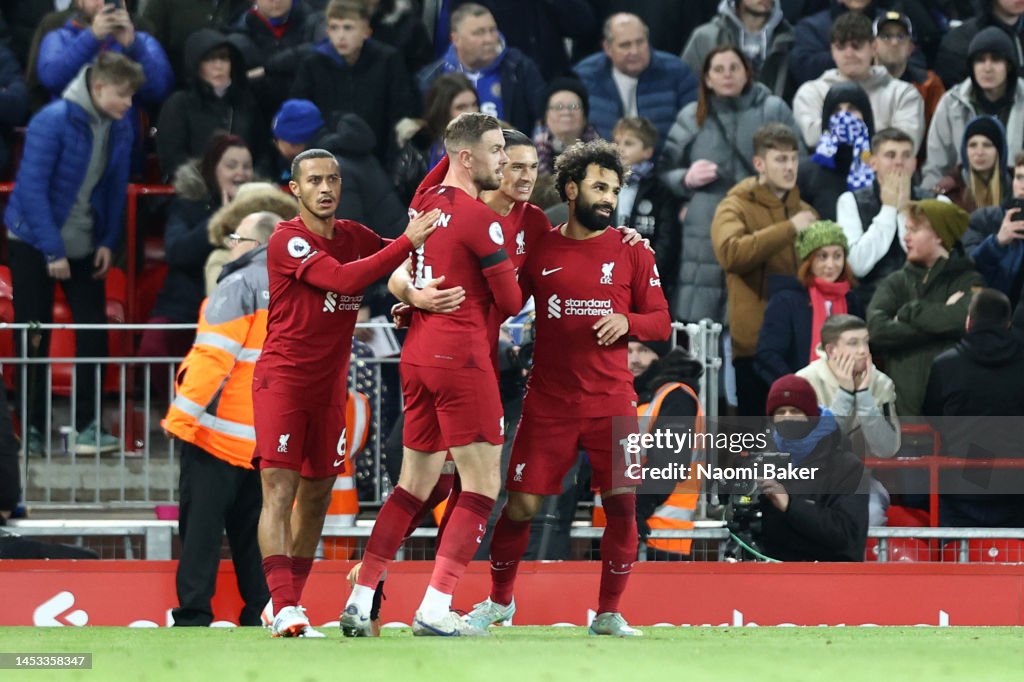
(78, 228)
(767, 49)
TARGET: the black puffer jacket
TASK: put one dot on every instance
(187, 245)
(367, 195)
(279, 57)
(827, 518)
(191, 116)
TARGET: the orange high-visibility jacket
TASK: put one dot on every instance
(677, 512)
(212, 407)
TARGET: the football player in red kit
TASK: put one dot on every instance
(591, 292)
(450, 389)
(318, 268)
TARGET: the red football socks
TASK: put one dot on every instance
(508, 544)
(438, 495)
(278, 570)
(618, 550)
(388, 532)
(461, 539)
(301, 566)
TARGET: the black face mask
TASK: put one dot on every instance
(795, 430)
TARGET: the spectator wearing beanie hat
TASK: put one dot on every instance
(982, 179)
(565, 120)
(798, 306)
(296, 127)
(992, 89)
(919, 311)
(824, 517)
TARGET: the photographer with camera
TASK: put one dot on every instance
(824, 518)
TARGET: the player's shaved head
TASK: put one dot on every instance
(465, 130)
(310, 154)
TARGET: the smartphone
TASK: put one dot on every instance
(117, 4)
(1016, 205)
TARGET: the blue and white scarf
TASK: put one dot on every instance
(845, 129)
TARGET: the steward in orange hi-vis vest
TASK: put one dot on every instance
(212, 406)
(213, 417)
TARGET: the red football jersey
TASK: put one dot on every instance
(468, 249)
(574, 284)
(316, 288)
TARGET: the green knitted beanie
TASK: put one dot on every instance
(818, 234)
(949, 221)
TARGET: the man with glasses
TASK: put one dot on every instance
(893, 46)
(212, 416)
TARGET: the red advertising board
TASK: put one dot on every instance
(141, 593)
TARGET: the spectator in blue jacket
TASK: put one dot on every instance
(630, 79)
(64, 221)
(508, 82)
(97, 28)
(995, 239)
(13, 102)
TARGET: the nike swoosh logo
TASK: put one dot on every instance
(338, 463)
(545, 272)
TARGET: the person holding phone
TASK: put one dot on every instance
(995, 239)
(101, 26)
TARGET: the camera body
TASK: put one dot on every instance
(743, 511)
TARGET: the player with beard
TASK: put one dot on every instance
(318, 268)
(593, 292)
(450, 389)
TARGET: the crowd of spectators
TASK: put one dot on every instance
(792, 160)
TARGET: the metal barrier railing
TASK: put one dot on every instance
(157, 540)
(142, 471)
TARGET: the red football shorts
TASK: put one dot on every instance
(446, 408)
(302, 436)
(546, 448)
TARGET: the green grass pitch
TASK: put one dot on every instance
(525, 654)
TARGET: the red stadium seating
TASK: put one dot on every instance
(900, 549)
(986, 551)
(7, 315)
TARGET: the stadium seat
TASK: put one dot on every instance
(148, 286)
(7, 316)
(62, 341)
(986, 551)
(900, 549)
(897, 515)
